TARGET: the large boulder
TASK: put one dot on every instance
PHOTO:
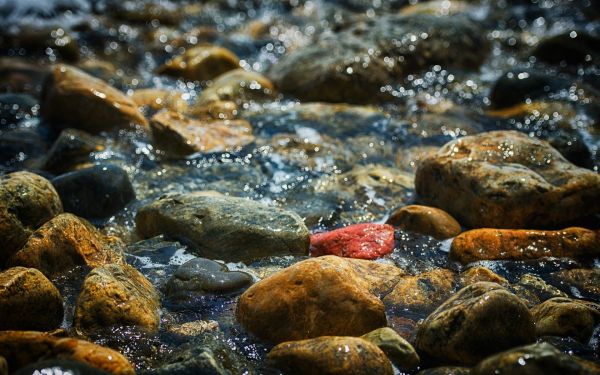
(505, 179)
(201, 63)
(225, 228)
(323, 296)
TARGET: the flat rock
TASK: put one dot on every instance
(201, 63)
(362, 241)
(566, 317)
(505, 179)
(430, 221)
(398, 350)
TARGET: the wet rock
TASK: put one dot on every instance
(21, 348)
(328, 295)
(430, 221)
(226, 228)
(178, 135)
(423, 292)
(585, 280)
(16, 107)
(479, 273)
(436, 7)
(533, 290)
(202, 276)
(561, 316)
(446, 370)
(517, 85)
(117, 295)
(59, 366)
(26, 202)
(504, 179)
(157, 99)
(201, 63)
(479, 320)
(330, 355)
(20, 75)
(362, 241)
(38, 40)
(396, 348)
(72, 148)
(3, 366)
(218, 110)
(72, 98)
(28, 300)
(65, 242)
(97, 192)
(239, 86)
(569, 48)
(497, 244)
(145, 13)
(533, 359)
(351, 66)
(19, 146)
(195, 328)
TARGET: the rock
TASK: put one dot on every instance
(566, 317)
(95, 193)
(396, 348)
(195, 328)
(328, 295)
(518, 85)
(178, 135)
(446, 370)
(72, 98)
(20, 75)
(422, 293)
(72, 148)
(63, 243)
(330, 355)
(201, 63)
(585, 280)
(479, 273)
(571, 47)
(430, 221)
(26, 202)
(3, 366)
(202, 276)
(437, 8)
(16, 107)
(21, 348)
(19, 146)
(479, 320)
(226, 228)
(533, 290)
(218, 110)
(40, 40)
(58, 366)
(117, 295)
(157, 99)
(28, 300)
(505, 179)
(534, 359)
(239, 86)
(362, 241)
(498, 244)
(352, 65)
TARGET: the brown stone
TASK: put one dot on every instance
(65, 242)
(117, 295)
(505, 179)
(28, 300)
(21, 348)
(157, 99)
(566, 317)
(239, 86)
(72, 98)
(201, 63)
(497, 244)
(586, 280)
(446, 370)
(425, 220)
(330, 355)
(3, 366)
(533, 290)
(479, 273)
(399, 351)
(218, 110)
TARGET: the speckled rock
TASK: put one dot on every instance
(117, 295)
(330, 355)
(479, 320)
(201, 63)
(65, 242)
(225, 228)
(328, 295)
(398, 350)
(585, 280)
(21, 348)
(561, 316)
(533, 290)
(72, 98)
(361, 241)
(423, 292)
(28, 300)
(239, 86)
(498, 244)
(505, 179)
(480, 273)
(425, 220)
(26, 202)
(72, 148)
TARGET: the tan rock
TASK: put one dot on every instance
(239, 86)
(201, 63)
(425, 220)
(566, 317)
(437, 8)
(157, 99)
(194, 328)
(533, 290)
(218, 110)
(479, 273)
(423, 292)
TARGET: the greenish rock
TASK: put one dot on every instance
(533, 290)
(225, 228)
(446, 370)
(399, 351)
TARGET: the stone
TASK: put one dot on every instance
(423, 292)
(96, 192)
(72, 98)
(58, 366)
(328, 295)
(3, 366)
(28, 301)
(512, 244)
(195, 328)
(571, 47)
(218, 110)
(39, 39)
(117, 295)
(505, 179)
(533, 290)
(446, 370)
(437, 8)
(65, 242)
(157, 99)
(225, 228)
(20, 148)
(71, 149)
(200, 276)
(239, 86)
(480, 273)
(26, 202)
(21, 348)
(517, 86)
(541, 358)
(479, 320)
(330, 355)
(16, 107)
(178, 135)
(20, 75)
(201, 63)
(362, 241)
(585, 280)
(566, 317)
(430, 221)
(399, 351)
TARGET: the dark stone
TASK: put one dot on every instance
(59, 367)
(72, 147)
(571, 47)
(515, 86)
(16, 107)
(20, 145)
